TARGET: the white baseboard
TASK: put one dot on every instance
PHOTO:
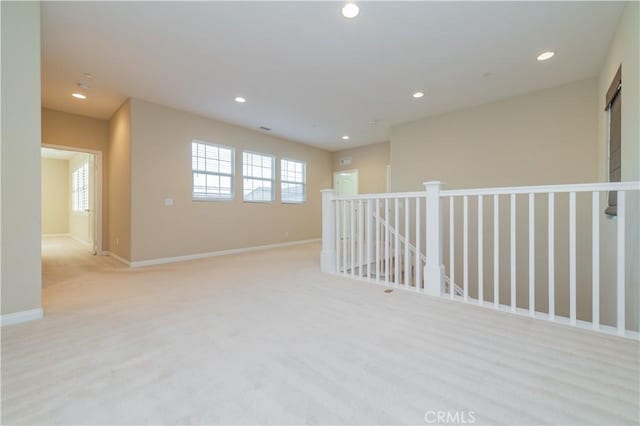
(55, 235)
(22, 316)
(163, 260)
(116, 257)
(80, 240)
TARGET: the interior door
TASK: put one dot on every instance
(346, 182)
(91, 205)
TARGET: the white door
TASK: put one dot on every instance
(346, 182)
(92, 202)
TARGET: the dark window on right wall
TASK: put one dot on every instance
(614, 113)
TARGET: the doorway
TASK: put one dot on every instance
(346, 182)
(71, 196)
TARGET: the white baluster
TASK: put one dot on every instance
(396, 242)
(407, 259)
(595, 259)
(377, 239)
(344, 237)
(620, 292)
(480, 252)
(360, 239)
(513, 253)
(532, 255)
(572, 257)
(338, 227)
(352, 237)
(452, 254)
(387, 243)
(465, 248)
(418, 260)
(496, 252)
(551, 257)
(369, 238)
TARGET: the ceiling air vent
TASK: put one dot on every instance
(265, 128)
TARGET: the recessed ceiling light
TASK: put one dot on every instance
(350, 10)
(79, 96)
(241, 100)
(345, 137)
(546, 55)
(418, 95)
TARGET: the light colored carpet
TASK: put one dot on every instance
(265, 338)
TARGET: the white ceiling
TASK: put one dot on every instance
(308, 73)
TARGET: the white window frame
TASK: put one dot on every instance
(80, 189)
(231, 175)
(272, 179)
(303, 183)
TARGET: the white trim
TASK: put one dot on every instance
(116, 257)
(163, 260)
(55, 235)
(97, 196)
(231, 175)
(80, 240)
(303, 183)
(22, 316)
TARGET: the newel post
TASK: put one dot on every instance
(328, 255)
(434, 267)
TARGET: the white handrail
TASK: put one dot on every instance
(536, 189)
(576, 187)
(412, 248)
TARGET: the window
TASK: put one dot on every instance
(258, 177)
(293, 181)
(613, 106)
(80, 188)
(212, 169)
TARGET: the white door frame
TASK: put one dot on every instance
(335, 178)
(97, 198)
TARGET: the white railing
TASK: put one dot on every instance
(380, 237)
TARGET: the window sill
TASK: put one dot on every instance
(214, 200)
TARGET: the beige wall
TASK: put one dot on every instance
(119, 240)
(79, 221)
(55, 196)
(546, 137)
(371, 161)
(76, 131)
(20, 169)
(161, 168)
(625, 50)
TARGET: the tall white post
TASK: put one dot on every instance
(434, 268)
(328, 255)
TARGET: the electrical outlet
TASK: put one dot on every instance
(117, 242)
(286, 234)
